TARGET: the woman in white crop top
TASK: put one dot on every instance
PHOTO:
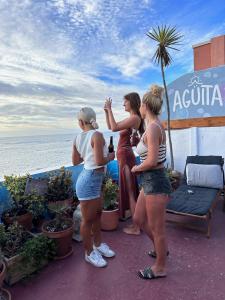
(151, 205)
(89, 147)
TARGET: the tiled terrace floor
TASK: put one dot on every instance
(196, 270)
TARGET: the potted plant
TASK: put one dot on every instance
(60, 229)
(59, 188)
(37, 207)
(35, 191)
(110, 212)
(18, 212)
(24, 206)
(23, 252)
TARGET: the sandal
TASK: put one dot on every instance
(130, 230)
(152, 253)
(147, 273)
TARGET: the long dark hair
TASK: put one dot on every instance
(135, 103)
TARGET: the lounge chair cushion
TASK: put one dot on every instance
(210, 176)
(192, 200)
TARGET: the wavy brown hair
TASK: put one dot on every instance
(135, 103)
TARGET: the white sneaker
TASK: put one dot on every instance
(105, 250)
(95, 259)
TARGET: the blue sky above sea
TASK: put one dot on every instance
(59, 55)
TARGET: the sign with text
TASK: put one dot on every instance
(197, 95)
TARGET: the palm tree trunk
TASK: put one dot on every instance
(168, 117)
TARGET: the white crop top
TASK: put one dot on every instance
(142, 149)
(83, 144)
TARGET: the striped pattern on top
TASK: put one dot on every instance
(142, 149)
(161, 156)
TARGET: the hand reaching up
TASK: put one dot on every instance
(108, 104)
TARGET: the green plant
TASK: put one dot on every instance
(12, 239)
(36, 205)
(59, 185)
(167, 38)
(16, 186)
(21, 202)
(38, 250)
(61, 221)
(110, 191)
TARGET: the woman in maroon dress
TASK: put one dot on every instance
(126, 158)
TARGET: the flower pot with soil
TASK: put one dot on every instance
(60, 229)
(23, 206)
(110, 212)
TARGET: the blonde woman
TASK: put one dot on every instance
(151, 205)
(90, 147)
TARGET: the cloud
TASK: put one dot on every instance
(51, 54)
(132, 58)
(59, 55)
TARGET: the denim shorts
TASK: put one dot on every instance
(155, 182)
(89, 184)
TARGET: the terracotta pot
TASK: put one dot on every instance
(6, 294)
(63, 240)
(2, 273)
(110, 219)
(24, 220)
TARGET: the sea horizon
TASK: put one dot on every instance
(51, 151)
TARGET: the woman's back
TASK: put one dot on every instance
(83, 143)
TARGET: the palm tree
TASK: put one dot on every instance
(166, 37)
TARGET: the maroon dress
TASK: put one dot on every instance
(125, 156)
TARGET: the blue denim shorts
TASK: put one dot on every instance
(89, 184)
(155, 181)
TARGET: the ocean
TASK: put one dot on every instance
(31, 154)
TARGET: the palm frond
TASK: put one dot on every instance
(166, 37)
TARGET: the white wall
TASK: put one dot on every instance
(196, 141)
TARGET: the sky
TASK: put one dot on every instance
(57, 56)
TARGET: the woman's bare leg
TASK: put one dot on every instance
(156, 210)
(90, 223)
(133, 229)
(140, 216)
(96, 227)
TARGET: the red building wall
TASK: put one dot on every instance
(209, 54)
(218, 51)
(202, 57)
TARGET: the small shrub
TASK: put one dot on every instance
(110, 191)
(38, 250)
(60, 185)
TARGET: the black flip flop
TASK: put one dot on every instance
(148, 274)
(152, 253)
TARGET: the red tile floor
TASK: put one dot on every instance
(196, 269)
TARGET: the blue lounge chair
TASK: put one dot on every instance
(196, 201)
